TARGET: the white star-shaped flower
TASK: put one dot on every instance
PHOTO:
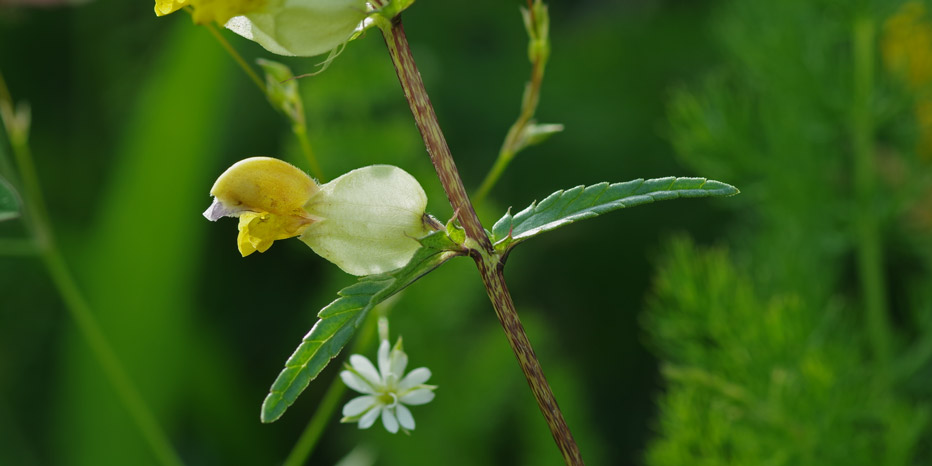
(386, 389)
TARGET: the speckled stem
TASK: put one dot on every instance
(489, 262)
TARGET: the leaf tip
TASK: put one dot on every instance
(272, 409)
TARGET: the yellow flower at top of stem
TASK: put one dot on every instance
(206, 11)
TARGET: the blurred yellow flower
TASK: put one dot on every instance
(907, 51)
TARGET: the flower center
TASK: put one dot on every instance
(389, 399)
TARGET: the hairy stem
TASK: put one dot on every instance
(489, 263)
(88, 327)
(869, 252)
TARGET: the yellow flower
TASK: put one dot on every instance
(206, 11)
(164, 7)
(268, 195)
(367, 221)
(907, 51)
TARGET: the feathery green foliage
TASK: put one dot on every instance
(794, 348)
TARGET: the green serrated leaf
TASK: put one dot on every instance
(339, 320)
(565, 207)
(9, 201)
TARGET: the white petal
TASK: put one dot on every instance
(369, 418)
(399, 362)
(417, 397)
(365, 369)
(389, 421)
(384, 362)
(415, 378)
(358, 405)
(404, 417)
(219, 210)
(356, 383)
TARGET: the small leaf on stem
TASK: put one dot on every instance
(565, 207)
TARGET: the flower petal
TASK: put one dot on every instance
(358, 405)
(399, 360)
(218, 210)
(417, 397)
(365, 368)
(414, 378)
(404, 417)
(356, 383)
(369, 418)
(389, 421)
(384, 363)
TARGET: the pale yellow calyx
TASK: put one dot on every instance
(268, 196)
(301, 27)
(368, 221)
(164, 7)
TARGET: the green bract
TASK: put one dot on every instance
(301, 27)
(368, 220)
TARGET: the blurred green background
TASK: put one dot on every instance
(789, 325)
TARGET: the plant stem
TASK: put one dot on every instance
(74, 301)
(253, 76)
(299, 130)
(301, 133)
(869, 252)
(487, 260)
(529, 102)
(315, 427)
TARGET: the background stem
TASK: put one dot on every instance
(869, 251)
(487, 260)
(529, 102)
(76, 305)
